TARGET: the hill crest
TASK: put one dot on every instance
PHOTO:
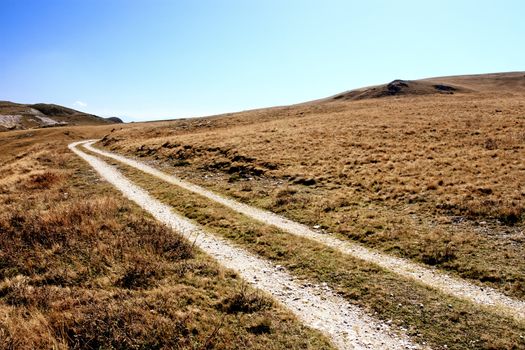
(16, 116)
(513, 82)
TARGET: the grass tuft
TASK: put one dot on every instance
(245, 301)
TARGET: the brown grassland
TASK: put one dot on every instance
(83, 268)
(431, 174)
(429, 317)
(435, 178)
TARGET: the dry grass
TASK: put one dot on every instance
(437, 179)
(428, 316)
(81, 268)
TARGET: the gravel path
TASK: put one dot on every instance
(317, 306)
(456, 287)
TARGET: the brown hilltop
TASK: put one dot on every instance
(16, 116)
(483, 83)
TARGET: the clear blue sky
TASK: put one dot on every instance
(154, 59)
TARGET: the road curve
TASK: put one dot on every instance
(317, 307)
(485, 296)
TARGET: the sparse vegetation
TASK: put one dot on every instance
(81, 268)
(429, 316)
(436, 179)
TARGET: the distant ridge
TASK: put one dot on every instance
(400, 88)
(513, 82)
(16, 116)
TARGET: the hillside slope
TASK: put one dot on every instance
(513, 83)
(433, 179)
(15, 116)
(431, 176)
(434, 163)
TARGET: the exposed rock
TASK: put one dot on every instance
(304, 181)
(115, 120)
(445, 88)
(396, 86)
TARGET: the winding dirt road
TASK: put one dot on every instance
(453, 286)
(317, 307)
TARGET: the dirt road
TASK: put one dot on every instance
(317, 306)
(456, 287)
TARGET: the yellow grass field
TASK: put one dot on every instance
(432, 171)
(83, 268)
(438, 178)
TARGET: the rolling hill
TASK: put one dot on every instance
(15, 116)
(513, 82)
(365, 195)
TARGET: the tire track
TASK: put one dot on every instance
(318, 307)
(485, 296)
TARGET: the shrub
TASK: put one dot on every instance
(244, 302)
(43, 181)
(437, 248)
(139, 274)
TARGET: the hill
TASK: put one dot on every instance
(427, 176)
(437, 155)
(427, 170)
(15, 116)
(482, 83)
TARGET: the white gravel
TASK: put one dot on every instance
(317, 306)
(489, 297)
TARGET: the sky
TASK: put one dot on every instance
(157, 59)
